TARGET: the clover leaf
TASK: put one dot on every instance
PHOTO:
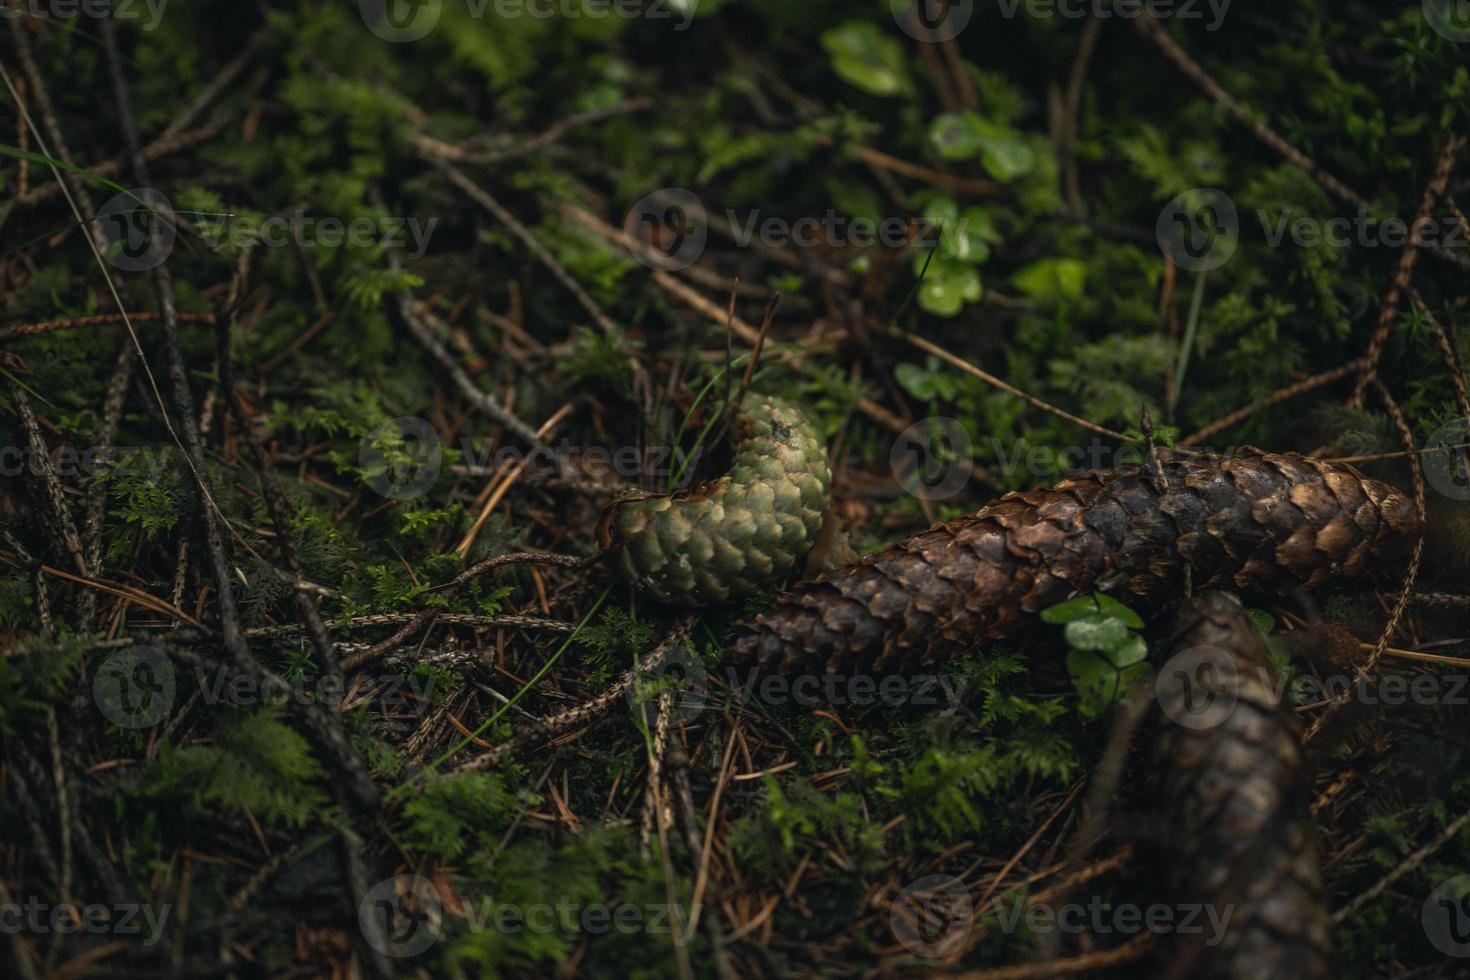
(864, 56)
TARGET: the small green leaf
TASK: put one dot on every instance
(1051, 279)
(956, 136)
(1264, 622)
(916, 381)
(1111, 606)
(1099, 682)
(965, 135)
(948, 288)
(1132, 651)
(1007, 158)
(864, 56)
(1086, 605)
(1097, 631)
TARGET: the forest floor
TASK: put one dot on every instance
(328, 331)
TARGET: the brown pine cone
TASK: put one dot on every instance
(1233, 791)
(1251, 520)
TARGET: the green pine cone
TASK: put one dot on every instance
(731, 536)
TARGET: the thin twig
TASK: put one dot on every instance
(1072, 107)
(533, 244)
(1407, 589)
(1275, 398)
(534, 144)
(1152, 30)
(474, 620)
(1404, 867)
(1452, 363)
(547, 728)
(990, 379)
(96, 513)
(708, 308)
(502, 482)
(451, 588)
(477, 396)
(45, 467)
(1404, 271)
(1088, 963)
(102, 319)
